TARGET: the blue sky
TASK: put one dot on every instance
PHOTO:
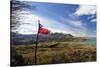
(78, 20)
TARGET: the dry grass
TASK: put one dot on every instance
(51, 53)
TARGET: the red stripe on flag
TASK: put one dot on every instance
(44, 31)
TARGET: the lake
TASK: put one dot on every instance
(91, 41)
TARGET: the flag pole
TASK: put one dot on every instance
(37, 42)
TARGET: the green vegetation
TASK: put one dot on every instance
(53, 53)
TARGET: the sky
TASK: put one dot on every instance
(78, 20)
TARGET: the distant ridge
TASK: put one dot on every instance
(29, 39)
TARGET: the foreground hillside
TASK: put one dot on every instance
(53, 53)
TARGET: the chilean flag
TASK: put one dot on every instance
(43, 30)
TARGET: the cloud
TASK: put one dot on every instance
(93, 20)
(74, 22)
(91, 17)
(85, 10)
(90, 12)
(77, 26)
(59, 30)
(29, 24)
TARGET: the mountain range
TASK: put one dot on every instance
(16, 38)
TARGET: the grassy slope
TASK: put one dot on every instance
(55, 52)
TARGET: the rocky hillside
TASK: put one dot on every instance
(28, 39)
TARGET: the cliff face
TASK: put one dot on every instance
(28, 39)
